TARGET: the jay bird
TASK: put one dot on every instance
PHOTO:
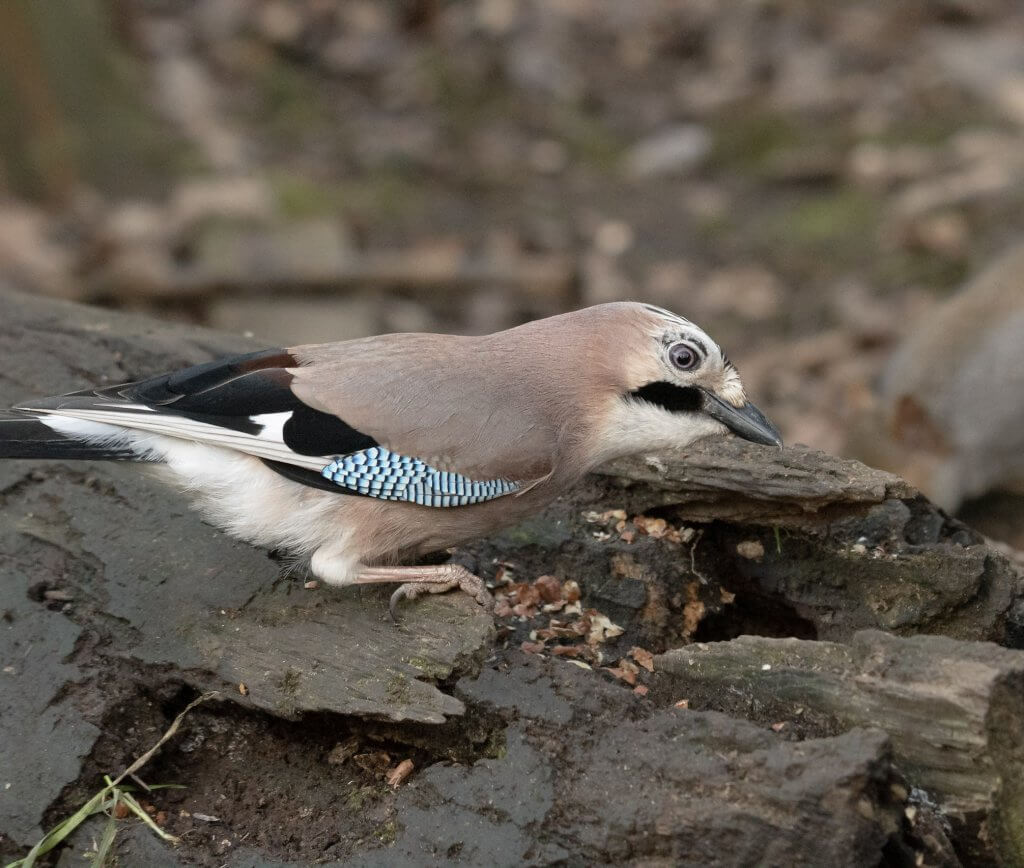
(369, 454)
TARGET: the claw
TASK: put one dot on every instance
(402, 592)
(468, 583)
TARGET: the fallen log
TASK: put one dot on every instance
(953, 710)
(116, 600)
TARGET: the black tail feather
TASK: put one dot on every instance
(24, 436)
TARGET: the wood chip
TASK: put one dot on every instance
(399, 773)
(752, 550)
(57, 595)
(243, 688)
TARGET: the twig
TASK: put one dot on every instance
(148, 755)
(704, 580)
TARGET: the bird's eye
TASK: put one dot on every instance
(683, 356)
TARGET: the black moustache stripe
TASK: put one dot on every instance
(669, 396)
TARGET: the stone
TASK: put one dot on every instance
(675, 150)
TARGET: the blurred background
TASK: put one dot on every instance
(833, 190)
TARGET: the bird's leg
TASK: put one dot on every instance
(424, 580)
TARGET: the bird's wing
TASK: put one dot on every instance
(469, 405)
(250, 403)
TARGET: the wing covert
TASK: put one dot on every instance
(379, 472)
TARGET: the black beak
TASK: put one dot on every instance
(747, 421)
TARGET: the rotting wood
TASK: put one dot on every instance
(737, 481)
(346, 656)
(954, 711)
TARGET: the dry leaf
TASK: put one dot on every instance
(694, 610)
(693, 614)
(642, 657)
(502, 609)
(641, 690)
(549, 588)
(625, 671)
(243, 688)
(503, 575)
(526, 594)
(532, 647)
(602, 629)
(343, 750)
(567, 650)
(375, 763)
(653, 527)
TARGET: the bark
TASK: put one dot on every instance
(954, 711)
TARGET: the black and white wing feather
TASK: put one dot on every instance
(246, 403)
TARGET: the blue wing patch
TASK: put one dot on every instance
(378, 472)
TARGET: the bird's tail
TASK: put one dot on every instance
(24, 436)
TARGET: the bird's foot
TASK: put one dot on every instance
(417, 581)
(471, 584)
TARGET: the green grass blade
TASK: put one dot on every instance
(99, 801)
(52, 838)
(105, 845)
(140, 812)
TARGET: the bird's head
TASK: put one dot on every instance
(670, 385)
